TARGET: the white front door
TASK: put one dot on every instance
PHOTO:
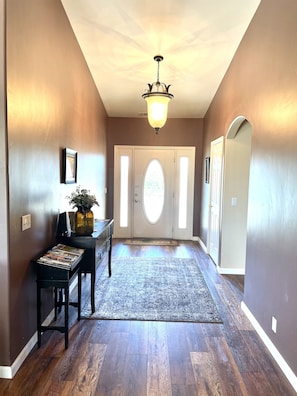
(216, 173)
(153, 193)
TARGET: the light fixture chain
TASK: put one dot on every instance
(158, 70)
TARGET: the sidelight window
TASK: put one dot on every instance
(124, 176)
(183, 191)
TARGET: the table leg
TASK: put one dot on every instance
(56, 302)
(93, 278)
(66, 315)
(78, 295)
(38, 316)
(109, 256)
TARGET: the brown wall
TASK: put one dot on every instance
(137, 132)
(52, 103)
(4, 271)
(261, 84)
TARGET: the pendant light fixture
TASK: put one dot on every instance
(157, 98)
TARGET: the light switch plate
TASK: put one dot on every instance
(234, 201)
(26, 222)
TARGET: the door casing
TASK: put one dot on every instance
(178, 152)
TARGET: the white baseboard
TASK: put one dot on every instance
(271, 347)
(203, 247)
(8, 372)
(230, 271)
(222, 271)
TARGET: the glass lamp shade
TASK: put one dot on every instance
(157, 107)
(157, 98)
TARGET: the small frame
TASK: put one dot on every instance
(69, 166)
(207, 169)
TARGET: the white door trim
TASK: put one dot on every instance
(215, 199)
(127, 231)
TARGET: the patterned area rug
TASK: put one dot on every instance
(162, 289)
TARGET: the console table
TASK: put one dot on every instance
(96, 246)
(55, 274)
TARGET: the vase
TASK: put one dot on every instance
(84, 221)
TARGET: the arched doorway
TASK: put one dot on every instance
(237, 158)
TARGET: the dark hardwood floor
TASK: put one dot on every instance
(131, 358)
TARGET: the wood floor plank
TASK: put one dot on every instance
(138, 338)
(135, 375)
(184, 390)
(112, 371)
(207, 380)
(231, 303)
(158, 369)
(99, 332)
(267, 365)
(257, 384)
(54, 389)
(88, 369)
(226, 367)
(179, 354)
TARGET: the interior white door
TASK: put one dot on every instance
(216, 174)
(153, 193)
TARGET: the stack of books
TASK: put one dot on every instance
(61, 256)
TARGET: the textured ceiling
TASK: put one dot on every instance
(197, 38)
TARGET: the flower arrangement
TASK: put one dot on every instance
(82, 199)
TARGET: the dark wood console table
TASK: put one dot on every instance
(96, 246)
(58, 276)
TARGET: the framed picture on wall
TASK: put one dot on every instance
(207, 169)
(69, 166)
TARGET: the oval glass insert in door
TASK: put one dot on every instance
(153, 191)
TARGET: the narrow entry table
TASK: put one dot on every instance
(96, 246)
(57, 278)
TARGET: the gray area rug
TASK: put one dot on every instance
(158, 289)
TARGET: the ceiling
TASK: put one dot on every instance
(197, 38)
